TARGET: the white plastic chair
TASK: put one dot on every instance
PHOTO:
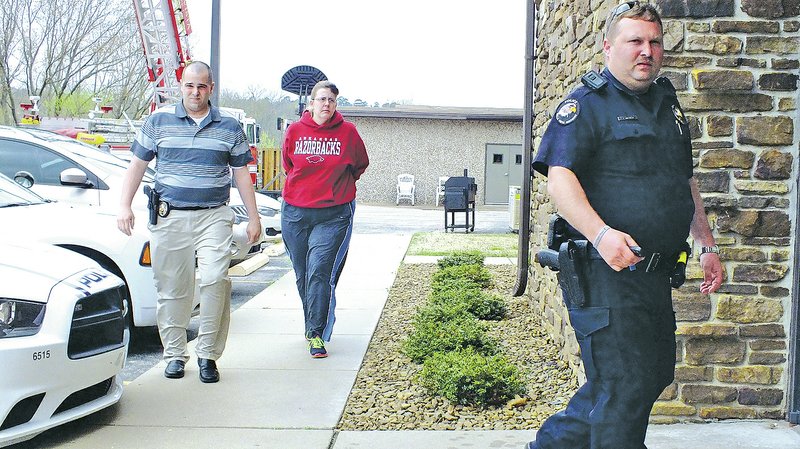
(440, 188)
(405, 188)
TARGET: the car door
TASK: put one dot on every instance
(46, 167)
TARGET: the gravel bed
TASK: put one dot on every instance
(386, 395)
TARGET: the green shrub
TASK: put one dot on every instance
(443, 312)
(473, 273)
(461, 258)
(446, 285)
(468, 378)
(484, 306)
(431, 335)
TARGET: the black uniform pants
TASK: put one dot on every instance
(626, 335)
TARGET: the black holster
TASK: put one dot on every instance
(152, 203)
(572, 259)
(568, 257)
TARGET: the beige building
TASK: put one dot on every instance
(429, 142)
(735, 65)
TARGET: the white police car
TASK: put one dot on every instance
(26, 216)
(63, 339)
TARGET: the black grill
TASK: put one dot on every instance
(85, 396)
(98, 324)
(22, 411)
(459, 196)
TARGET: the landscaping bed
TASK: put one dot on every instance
(388, 395)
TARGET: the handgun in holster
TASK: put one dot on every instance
(567, 257)
(152, 203)
(678, 275)
(556, 235)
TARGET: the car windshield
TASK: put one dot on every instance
(13, 194)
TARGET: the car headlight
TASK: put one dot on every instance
(20, 318)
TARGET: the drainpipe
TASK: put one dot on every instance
(793, 385)
(523, 246)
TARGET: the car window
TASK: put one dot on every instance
(45, 166)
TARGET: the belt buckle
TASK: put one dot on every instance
(652, 262)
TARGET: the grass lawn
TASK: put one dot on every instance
(443, 244)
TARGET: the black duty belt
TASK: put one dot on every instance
(192, 207)
(164, 208)
(652, 261)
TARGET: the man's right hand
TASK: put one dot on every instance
(125, 220)
(615, 249)
(130, 184)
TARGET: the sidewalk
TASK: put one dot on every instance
(273, 395)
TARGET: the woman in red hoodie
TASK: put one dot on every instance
(323, 156)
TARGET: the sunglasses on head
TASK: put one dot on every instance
(619, 10)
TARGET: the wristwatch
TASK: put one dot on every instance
(709, 249)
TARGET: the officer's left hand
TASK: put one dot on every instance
(254, 231)
(712, 273)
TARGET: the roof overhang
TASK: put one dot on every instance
(435, 113)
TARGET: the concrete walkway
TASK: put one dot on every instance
(272, 395)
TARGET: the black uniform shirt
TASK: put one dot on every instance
(632, 155)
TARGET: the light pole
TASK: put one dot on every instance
(214, 63)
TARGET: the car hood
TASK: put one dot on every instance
(64, 224)
(35, 269)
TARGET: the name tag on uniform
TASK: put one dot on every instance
(625, 118)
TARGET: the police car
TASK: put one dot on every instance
(63, 340)
(90, 231)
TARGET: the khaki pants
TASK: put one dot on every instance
(175, 241)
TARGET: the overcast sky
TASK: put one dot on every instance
(424, 52)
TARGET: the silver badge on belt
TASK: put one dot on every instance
(163, 209)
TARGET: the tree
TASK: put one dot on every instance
(55, 49)
(10, 15)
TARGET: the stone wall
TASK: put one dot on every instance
(735, 65)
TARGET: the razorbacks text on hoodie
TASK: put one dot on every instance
(322, 162)
(310, 145)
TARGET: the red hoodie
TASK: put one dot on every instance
(322, 162)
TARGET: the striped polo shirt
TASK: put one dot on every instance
(192, 160)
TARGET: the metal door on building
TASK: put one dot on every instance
(503, 169)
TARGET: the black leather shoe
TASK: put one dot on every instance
(174, 369)
(208, 371)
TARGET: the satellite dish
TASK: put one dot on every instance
(299, 81)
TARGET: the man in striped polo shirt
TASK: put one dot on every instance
(195, 147)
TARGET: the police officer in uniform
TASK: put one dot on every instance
(617, 155)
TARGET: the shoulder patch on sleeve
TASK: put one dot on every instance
(568, 111)
(593, 80)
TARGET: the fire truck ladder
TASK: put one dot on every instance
(162, 27)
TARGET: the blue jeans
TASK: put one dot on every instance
(317, 240)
